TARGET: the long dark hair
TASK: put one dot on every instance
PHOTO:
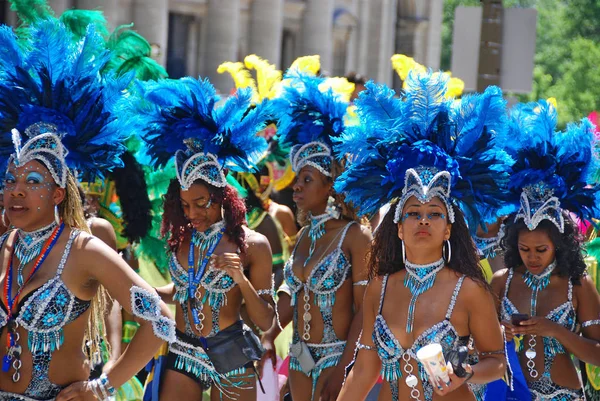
(131, 188)
(175, 225)
(568, 246)
(386, 253)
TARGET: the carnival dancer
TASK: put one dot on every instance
(216, 261)
(545, 293)
(432, 156)
(326, 272)
(52, 271)
(273, 220)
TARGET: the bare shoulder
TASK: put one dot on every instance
(373, 292)
(256, 240)
(499, 281)
(102, 229)
(474, 291)
(359, 233)
(282, 211)
(587, 288)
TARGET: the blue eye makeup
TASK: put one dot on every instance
(9, 177)
(34, 178)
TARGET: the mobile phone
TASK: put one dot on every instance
(517, 318)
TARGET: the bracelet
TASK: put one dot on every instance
(101, 388)
(469, 375)
(498, 352)
(364, 346)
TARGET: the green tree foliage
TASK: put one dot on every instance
(567, 53)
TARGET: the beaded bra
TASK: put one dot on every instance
(43, 313)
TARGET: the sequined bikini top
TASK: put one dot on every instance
(391, 352)
(216, 283)
(46, 310)
(563, 314)
(326, 277)
(43, 313)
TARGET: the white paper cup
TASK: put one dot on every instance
(432, 358)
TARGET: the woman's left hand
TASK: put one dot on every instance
(231, 263)
(442, 388)
(78, 391)
(333, 385)
(536, 325)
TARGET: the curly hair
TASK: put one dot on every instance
(568, 246)
(175, 226)
(385, 256)
(131, 188)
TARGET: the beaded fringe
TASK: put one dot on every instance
(45, 342)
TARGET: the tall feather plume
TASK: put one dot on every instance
(171, 112)
(563, 160)
(426, 129)
(241, 76)
(306, 113)
(59, 82)
(267, 76)
(379, 103)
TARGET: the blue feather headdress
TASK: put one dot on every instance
(425, 145)
(310, 118)
(182, 118)
(53, 93)
(553, 170)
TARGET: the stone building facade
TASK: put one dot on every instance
(193, 37)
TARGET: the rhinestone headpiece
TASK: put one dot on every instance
(538, 203)
(192, 166)
(424, 183)
(315, 154)
(45, 146)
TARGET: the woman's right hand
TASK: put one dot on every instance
(270, 353)
(508, 329)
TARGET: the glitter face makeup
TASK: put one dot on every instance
(29, 192)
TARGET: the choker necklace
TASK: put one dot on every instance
(418, 279)
(205, 240)
(536, 282)
(29, 245)
(316, 231)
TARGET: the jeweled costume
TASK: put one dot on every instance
(205, 139)
(424, 145)
(551, 172)
(311, 116)
(52, 93)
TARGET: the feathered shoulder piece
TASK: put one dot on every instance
(54, 94)
(311, 117)
(182, 118)
(425, 145)
(553, 170)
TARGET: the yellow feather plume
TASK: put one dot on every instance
(403, 65)
(339, 85)
(241, 76)
(310, 64)
(268, 77)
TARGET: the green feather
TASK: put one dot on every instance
(131, 52)
(30, 11)
(77, 21)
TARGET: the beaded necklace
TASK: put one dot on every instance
(536, 282)
(14, 350)
(418, 279)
